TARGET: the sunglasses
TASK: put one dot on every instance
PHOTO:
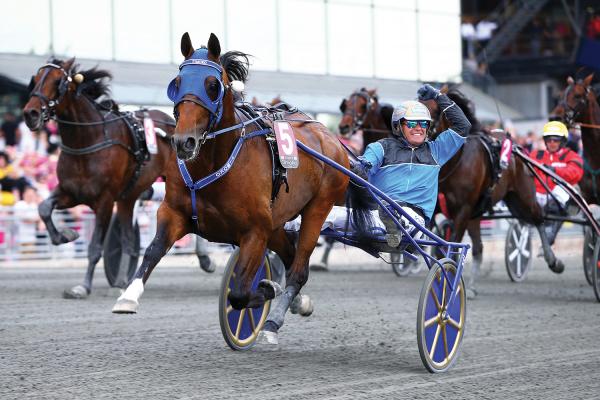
(551, 139)
(413, 124)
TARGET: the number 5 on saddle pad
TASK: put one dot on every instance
(286, 144)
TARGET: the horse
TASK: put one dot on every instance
(102, 160)
(469, 191)
(362, 111)
(216, 140)
(579, 105)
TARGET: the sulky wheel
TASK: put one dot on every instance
(517, 251)
(240, 328)
(589, 240)
(400, 265)
(596, 270)
(113, 250)
(440, 329)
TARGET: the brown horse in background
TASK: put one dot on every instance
(466, 181)
(237, 208)
(99, 163)
(362, 111)
(579, 105)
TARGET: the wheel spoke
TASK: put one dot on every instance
(240, 322)
(524, 235)
(435, 298)
(515, 253)
(515, 237)
(519, 266)
(229, 309)
(435, 340)
(444, 292)
(251, 315)
(445, 339)
(525, 253)
(455, 324)
(431, 321)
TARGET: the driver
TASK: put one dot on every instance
(406, 166)
(565, 163)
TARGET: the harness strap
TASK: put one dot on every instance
(93, 148)
(207, 180)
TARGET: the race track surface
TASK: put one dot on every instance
(538, 339)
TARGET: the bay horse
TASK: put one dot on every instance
(467, 179)
(579, 105)
(362, 111)
(101, 162)
(215, 140)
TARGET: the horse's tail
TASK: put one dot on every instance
(359, 203)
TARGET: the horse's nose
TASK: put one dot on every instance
(32, 118)
(189, 144)
(344, 129)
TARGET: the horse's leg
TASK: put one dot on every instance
(171, 227)
(125, 215)
(460, 223)
(60, 199)
(474, 229)
(323, 265)
(312, 219)
(103, 211)
(203, 255)
(555, 264)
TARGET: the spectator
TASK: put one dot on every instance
(27, 220)
(467, 33)
(484, 31)
(593, 26)
(10, 181)
(9, 130)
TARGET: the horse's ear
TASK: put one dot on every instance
(186, 46)
(570, 81)
(214, 47)
(343, 106)
(588, 79)
(444, 88)
(67, 65)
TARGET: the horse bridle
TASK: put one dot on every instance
(49, 105)
(572, 112)
(359, 121)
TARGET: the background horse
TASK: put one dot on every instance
(468, 186)
(237, 207)
(579, 105)
(363, 112)
(101, 162)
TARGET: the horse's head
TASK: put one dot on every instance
(573, 100)
(355, 109)
(47, 89)
(200, 92)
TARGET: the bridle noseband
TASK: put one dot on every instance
(49, 105)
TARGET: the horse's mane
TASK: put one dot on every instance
(236, 65)
(467, 106)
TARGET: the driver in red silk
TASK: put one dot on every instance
(565, 163)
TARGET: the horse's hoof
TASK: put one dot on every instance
(271, 289)
(78, 292)
(268, 338)
(558, 267)
(125, 306)
(66, 236)
(471, 293)
(302, 305)
(319, 267)
(206, 264)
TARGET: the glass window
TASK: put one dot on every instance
(76, 36)
(350, 43)
(142, 31)
(186, 19)
(25, 27)
(440, 6)
(251, 29)
(439, 47)
(301, 49)
(396, 52)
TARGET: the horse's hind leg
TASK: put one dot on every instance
(474, 229)
(57, 198)
(171, 227)
(103, 212)
(125, 215)
(555, 265)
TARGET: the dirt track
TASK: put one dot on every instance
(538, 339)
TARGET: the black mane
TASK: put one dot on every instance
(236, 65)
(466, 106)
(94, 82)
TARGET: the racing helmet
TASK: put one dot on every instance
(410, 110)
(555, 129)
